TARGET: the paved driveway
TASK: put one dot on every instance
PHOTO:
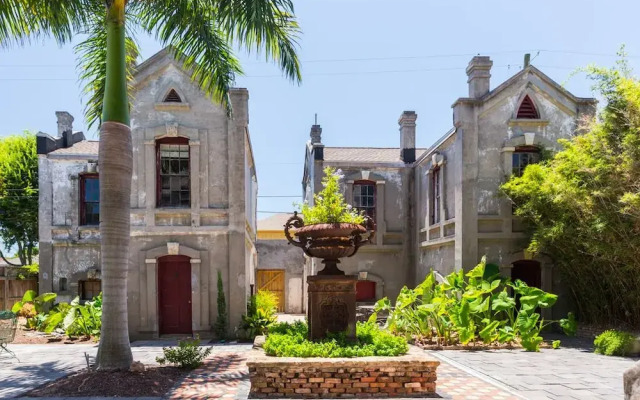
(40, 363)
(566, 373)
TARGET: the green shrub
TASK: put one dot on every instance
(261, 309)
(75, 319)
(329, 204)
(290, 340)
(267, 301)
(614, 343)
(222, 320)
(569, 325)
(555, 344)
(188, 354)
(468, 307)
(33, 307)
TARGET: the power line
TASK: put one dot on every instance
(339, 60)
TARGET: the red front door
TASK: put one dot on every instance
(174, 294)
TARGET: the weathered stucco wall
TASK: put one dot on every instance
(278, 254)
(217, 232)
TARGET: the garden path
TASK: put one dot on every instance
(571, 372)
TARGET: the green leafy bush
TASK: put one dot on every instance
(76, 319)
(569, 325)
(475, 306)
(614, 343)
(29, 271)
(582, 207)
(261, 310)
(33, 307)
(555, 344)
(329, 204)
(188, 354)
(290, 340)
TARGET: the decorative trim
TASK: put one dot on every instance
(195, 261)
(150, 260)
(172, 106)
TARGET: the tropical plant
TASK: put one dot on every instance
(290, 340)
(28, 271)
(261, 309)
(32, 306)
(614, 343)
(188, 354)
(582, 207)
(470, 307)
(222, 320)
(19, 196)
(199, 33)
(329, 204)
(76, 319)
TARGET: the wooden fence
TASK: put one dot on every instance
(12, 289)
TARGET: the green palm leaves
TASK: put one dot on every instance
(201, 33)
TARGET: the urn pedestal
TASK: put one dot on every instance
(332, 305)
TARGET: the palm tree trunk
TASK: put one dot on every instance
(116, 166)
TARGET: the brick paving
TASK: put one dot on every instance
(224, 375)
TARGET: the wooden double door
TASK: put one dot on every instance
(273, 281)
(174, 295)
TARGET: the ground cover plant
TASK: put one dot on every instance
(471, 307)
(614, 343)
(290, 340)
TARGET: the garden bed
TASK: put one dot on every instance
(409, 375)
(154, 382)
(31, 336)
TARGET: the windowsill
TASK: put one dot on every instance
(169, 209)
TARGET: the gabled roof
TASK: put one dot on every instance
(83, 148)
(365, 154)
(531, 70)
(274, 223)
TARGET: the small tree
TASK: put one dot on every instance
(221, 321)
(19, 196)
(583, 205)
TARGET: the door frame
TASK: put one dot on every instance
(182, 259)
(147, 302)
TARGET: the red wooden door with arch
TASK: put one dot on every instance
(174, 294)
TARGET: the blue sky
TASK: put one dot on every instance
(364, 62)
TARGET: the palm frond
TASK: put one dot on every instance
(189, 28)
(22, 21)
(92, 65)
(268, 25)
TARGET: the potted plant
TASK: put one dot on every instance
(331, 228)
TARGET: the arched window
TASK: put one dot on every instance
(523, 156)
(172, 97)
(173, 172)
(527, 109)
(364, 197)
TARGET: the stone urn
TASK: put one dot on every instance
(332, 294)
(330, 242)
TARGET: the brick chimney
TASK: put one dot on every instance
(316, 142)
(479, 73)
(65, 127)
(407, 122)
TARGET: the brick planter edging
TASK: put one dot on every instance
(411, 375)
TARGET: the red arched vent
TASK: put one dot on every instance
(172, 97)
(527, 109)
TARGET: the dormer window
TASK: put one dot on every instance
(172, 97)
(527, 109)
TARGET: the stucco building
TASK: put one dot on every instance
(193, 206)
(440, 208)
